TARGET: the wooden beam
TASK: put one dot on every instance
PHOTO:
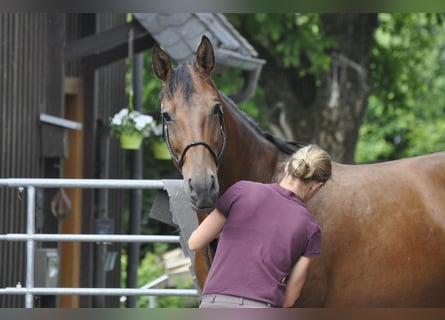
(120, 52)
(73, 86)
(73, 168)
(104, 41)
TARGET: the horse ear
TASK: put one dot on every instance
(162, 66)
(205, 56)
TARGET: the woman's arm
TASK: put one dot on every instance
(296, 281)
(207, 231)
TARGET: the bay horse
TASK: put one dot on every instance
(383, 224)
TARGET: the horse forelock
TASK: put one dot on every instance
(179, 78)
(182, 78)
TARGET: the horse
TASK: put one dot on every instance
(383, 224)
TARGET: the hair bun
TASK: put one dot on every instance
(310, 163)
(300, 168)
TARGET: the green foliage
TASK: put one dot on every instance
(152, 86)
(230, 82)
(293, 40)
(404, 113)
(401, 118)
(151, 269)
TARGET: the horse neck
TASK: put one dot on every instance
(248, 154)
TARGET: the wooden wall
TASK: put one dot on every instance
(33, 80)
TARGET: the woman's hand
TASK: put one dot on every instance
(296, 281)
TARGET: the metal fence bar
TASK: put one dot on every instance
(30, 245)
(100, 291)
(89, 237)
(83, 183)
(30, 237)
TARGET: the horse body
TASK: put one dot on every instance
(383, 224)
(383, 236)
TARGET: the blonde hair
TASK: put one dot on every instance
(310, 163)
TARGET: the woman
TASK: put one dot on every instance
(267, 236)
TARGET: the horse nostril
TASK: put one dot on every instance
(190, 184)
(214, 187)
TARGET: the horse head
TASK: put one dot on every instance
(193, 122)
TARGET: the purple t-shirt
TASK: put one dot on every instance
(268, 229)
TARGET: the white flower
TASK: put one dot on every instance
(157, 129)
(142, 121)
(126, 121)
(116, 121)
(121, 114)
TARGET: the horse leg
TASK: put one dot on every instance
(201, 268)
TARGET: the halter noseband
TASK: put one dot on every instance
(216, 156)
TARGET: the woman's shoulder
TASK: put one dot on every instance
(247, 184)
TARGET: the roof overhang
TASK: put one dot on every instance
(181, 33)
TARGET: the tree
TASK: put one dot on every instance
(339, 79)
(406, 106)
(316, 79)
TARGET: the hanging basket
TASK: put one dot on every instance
(160, 150)
(131, 141)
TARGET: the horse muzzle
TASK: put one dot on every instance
(203, 192)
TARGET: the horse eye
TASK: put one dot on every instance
(216, 109)
(166, 117)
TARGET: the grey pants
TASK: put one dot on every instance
(226, 301)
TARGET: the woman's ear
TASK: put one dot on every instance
(286, 168)
(315, 187)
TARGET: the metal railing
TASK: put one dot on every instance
(31, 237)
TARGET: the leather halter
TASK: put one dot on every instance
(216, 156)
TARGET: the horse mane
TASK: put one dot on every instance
(287, 147)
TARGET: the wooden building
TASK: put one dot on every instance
(62, 75)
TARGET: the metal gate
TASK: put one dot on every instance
(29, 289)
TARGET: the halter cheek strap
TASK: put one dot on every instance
(216, 156)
